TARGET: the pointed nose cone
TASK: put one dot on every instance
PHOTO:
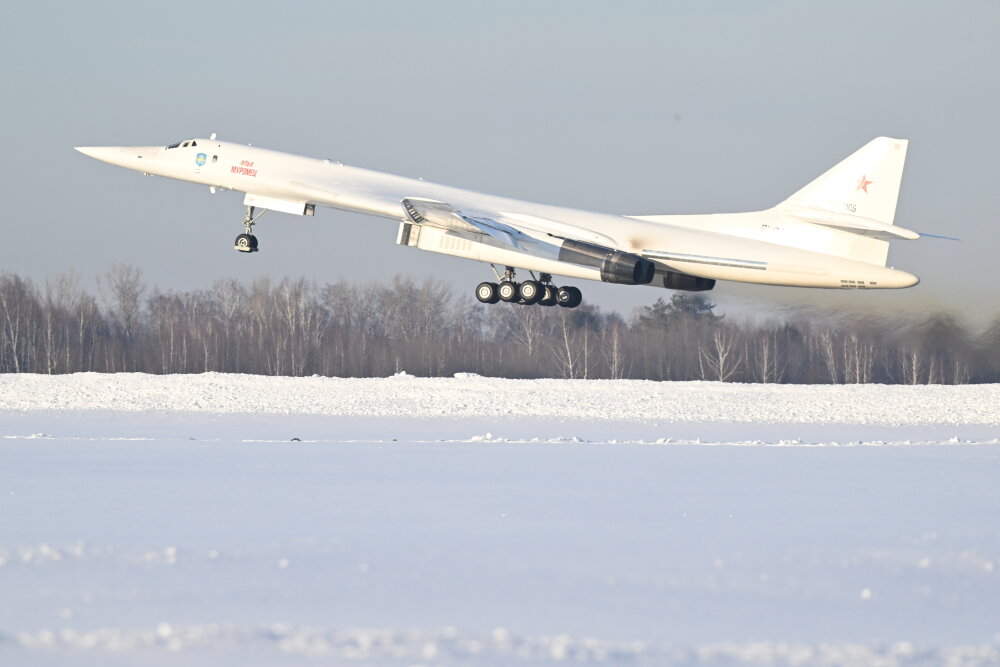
(131, 157)
(99, 152)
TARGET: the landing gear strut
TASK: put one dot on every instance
(247, 242)
(530, 292)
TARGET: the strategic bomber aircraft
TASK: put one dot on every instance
(833, 233)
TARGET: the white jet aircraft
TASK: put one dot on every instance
(833, 233)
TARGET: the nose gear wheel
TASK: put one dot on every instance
(247, 242)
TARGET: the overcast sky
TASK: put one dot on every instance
(626, 107)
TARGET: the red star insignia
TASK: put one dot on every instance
(863, 184)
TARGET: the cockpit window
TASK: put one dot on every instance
(183, 144)
(173, 145)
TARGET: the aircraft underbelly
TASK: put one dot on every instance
(792, 269)
(479, 248)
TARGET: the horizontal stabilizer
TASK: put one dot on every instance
(852, 223)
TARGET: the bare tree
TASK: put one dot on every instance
(722, 357)
(858, 358)
(122, 288)
(564, 348)
(615, 346)
(826, 349)
(763, 355)
(526, 327)
(20, 322)
(912, 364)
(61, 298)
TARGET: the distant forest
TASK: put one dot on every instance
(295, 327)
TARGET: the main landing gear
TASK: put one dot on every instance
(528, 293)
(247, 242)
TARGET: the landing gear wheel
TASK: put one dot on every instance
(548, 297)
(246, 243)
(487, 292)
(507, 291)
(530, 291)
(569, 297)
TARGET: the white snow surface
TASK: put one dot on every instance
(242, 520)
(470, 395)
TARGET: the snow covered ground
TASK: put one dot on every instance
(218, 519)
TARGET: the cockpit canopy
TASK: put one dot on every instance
(183, 144)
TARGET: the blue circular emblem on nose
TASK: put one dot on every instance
(201, 159)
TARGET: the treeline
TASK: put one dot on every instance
(295, 327)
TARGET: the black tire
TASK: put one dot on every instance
(246, 242)
(487, 293)
(549, 296)
(531, 292)
(569, 297)
(507, 291)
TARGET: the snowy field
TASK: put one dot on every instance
(240, 520)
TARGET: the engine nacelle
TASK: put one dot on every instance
(615, 266)
(686, 282)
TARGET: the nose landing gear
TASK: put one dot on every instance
(528, 293)
(247, 242)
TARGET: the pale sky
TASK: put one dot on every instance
(627, 107)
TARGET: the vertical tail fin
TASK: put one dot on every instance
(847, 212)
(854, 203)
(865, 184)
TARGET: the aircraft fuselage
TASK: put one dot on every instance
(758, 247)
